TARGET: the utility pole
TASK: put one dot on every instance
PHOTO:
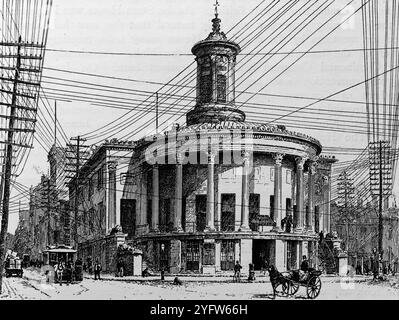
(380, 225)
(156, 111)
(55, 122)
(48, 213)
(8, 165)
(77, 163)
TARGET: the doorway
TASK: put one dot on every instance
(263, 250)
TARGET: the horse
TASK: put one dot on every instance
(276, 278)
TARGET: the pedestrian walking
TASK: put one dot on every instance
(59, 269)
(120, 267)
(97, 270)
(237, 272)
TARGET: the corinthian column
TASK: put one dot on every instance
(178, 194)
(299, 214)
(210, 198)
(245, 192)
(155, 198)
(311, 187)
(112, 165)
(278, 161)
(327, 202)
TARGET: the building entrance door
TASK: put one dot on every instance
(292, 256)
(193, 255)
(262, 251)
(227, 255)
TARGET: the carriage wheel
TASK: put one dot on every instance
(313, 287)
(290, 288)
(279, 288)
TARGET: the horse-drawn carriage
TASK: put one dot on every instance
(291, 281)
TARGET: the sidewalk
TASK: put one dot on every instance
(218, 278)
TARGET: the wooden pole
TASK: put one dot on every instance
(8, 167)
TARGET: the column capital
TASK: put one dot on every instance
(211, 156)
(179, 158)
(278, 158)
(312, 167)
(246, 155)
(112, 165)
(300, 162)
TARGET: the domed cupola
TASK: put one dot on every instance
(216, 60)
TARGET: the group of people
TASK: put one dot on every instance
(90, 268)
(68, 271)
(380, 267)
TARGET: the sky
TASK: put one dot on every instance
(173, 27)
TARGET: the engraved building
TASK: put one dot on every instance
(221, 189)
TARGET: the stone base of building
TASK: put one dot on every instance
(103, 249)
(213, 255)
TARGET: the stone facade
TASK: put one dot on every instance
(100, 208)
(220, 189)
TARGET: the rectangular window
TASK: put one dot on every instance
(200, 212)
(128, 216)
(221, 88)
(100, 178)
(228, 209)
(205, 81)
(254, 205)
(165, 219)
(271, 174)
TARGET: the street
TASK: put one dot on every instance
(32, 286)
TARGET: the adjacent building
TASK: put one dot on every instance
(97, 208)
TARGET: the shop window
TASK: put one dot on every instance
(209, 254)
(192, 255)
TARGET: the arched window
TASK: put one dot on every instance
(205, 87)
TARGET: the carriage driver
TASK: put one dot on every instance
(304, 268)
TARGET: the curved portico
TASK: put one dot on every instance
(225, 189)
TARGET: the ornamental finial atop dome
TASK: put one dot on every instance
(216, 34)
(216, 21)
